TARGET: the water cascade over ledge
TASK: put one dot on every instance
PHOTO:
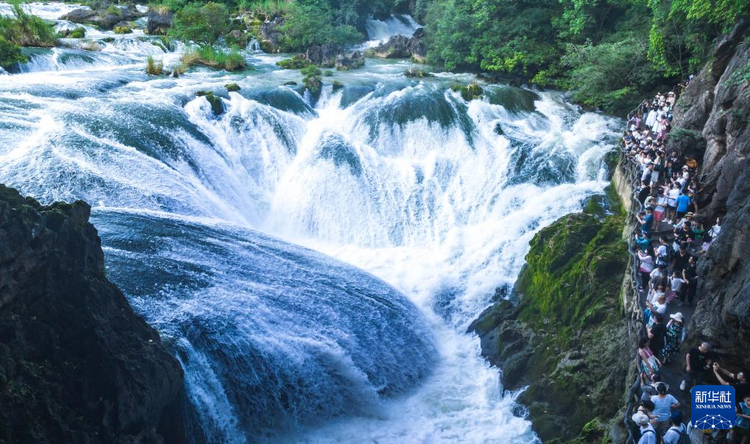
(209, 225)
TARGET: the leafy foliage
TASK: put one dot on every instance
(23, 29)
(10, 53)
(308, 24)
(612, 52)
(201, 23)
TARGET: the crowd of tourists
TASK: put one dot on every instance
(670, 236)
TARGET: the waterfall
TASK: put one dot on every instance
(379, 31)
(313, 265)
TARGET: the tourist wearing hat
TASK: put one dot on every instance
(648, 434)
(675, 336)
(698, 361)
(671, 99)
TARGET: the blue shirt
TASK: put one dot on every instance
(648, 222)
(682, 203)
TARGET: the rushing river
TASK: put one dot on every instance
(313, 264)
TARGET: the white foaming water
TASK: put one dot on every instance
(379, 31)
(436, 196)
(47, 11)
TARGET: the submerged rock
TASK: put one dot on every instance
(469, 92)
(417, 73)
(217, 106)
(76, 363)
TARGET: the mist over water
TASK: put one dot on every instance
(237, 236)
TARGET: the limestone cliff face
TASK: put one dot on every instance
(716, 104)
(76, 363)
(566, 335)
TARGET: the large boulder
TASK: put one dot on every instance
(324, 55)
(159, 21)
(76, 363)
(402, 47)
(105, 18)
(270, 35)
(352, 60)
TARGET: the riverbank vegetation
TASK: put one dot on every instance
(207, 55)
(22, 29)
(610, 53)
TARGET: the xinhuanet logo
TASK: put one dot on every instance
(713, 407)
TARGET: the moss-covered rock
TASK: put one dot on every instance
(78, 33)
(232, 87)
(122, 30)
(565, 337)
(217, 106)
(469, 92)
(417, 73)
(296, 62)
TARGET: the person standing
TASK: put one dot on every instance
(690, 275)
(678, 432)
(675, 336)
(648, 434)
(657, 334)
(698, 360)
(664, 403)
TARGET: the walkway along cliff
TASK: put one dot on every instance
(569, 332)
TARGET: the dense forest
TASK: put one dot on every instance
(609, 52)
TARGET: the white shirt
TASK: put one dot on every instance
(660, 308)
(674, 193)
(646, 436)
(676, 283)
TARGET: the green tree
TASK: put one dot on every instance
(308, 24)
(202, 23)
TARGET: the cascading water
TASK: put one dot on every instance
(404, 179)
(379, 31)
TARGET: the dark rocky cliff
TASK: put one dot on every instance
(716, 104)
(76, 363)
(565, 336)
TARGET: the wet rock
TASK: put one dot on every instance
(402, 47)
(232, 87)
(105, 18)
(417, 73)
(76, 363)
(270, 35)
(469, 92)
(352, 60)
(159, 21)
(323, 55)
(217, 106)
(562, 333)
